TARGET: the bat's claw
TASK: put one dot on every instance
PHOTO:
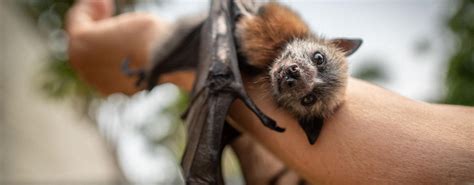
(140, 73)
(270, 123)
(278, 129)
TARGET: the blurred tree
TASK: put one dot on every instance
(460, 77)
(373, 71)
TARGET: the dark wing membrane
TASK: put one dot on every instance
(218, 83)
(201, 161)
(179, 53)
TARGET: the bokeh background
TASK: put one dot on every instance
(54, 129)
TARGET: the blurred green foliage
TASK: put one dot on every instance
(34, 8)
(373, 71)
(176, 140)
(460, 77)
(58, 79)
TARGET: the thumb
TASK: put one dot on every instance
(85, 12)
(98, 9)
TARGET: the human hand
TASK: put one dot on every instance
(100, 42)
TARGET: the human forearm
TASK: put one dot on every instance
(375, 137)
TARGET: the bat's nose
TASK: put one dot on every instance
(293, 71)
(291, 76)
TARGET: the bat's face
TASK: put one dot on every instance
(309, 77)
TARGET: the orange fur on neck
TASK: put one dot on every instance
(267, 33)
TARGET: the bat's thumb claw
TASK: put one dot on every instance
(279, 129)
(270, 123)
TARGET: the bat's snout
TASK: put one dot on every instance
(290, 76)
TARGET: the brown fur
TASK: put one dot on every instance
(277, 37)
(265, 34)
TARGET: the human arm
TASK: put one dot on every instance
(376, 137)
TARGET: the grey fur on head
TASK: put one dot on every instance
(327, 82)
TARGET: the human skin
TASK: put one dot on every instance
(99, 43)
(375, 137)
(259, 166)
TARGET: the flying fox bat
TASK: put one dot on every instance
(307, 74)
(265, 37)
(208, 47)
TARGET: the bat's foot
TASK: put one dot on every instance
(140, 73)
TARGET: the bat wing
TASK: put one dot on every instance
(218, 83)
(208, 47)
(181, 52)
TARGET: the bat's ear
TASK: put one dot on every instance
(349, 46)
(312, 127)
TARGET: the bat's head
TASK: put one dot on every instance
(310, 75)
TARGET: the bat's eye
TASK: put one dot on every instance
(308, 100)
(318, 58)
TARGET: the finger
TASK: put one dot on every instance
(98, 9)
(85, 12)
